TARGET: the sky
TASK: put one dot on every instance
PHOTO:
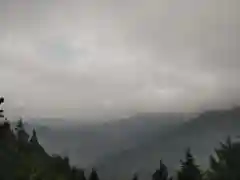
(106, 58)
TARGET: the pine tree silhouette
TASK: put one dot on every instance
(5, 129)
(35, 143)
(189, 170)
(135, 177)
(81, 175)
(93, 175)
(78, 174)
(21, 133)
(162, 173)
(34, 138)
(1, 110)
(226, 163)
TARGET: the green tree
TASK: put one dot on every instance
(189, 170)
(225, 165)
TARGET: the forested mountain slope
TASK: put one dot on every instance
(202, 134)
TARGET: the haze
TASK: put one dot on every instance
(106, 58)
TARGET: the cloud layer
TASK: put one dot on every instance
(91, 58)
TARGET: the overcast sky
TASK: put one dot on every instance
(97, 58)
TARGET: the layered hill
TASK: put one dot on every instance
(201, 134)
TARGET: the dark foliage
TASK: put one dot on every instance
(162, 173)
(135, 177)
(226, 163)
(93, 175)
(189, 170)
(22, 158)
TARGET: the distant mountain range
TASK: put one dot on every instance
(136, 144)
(87, 143)
(202, 134)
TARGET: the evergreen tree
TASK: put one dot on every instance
(93, 175)
(35, 143)
(1, 100)
(77, 174)
(20, 125)
(1, 110)
(189, 170)
(162, 173)
(34, 138)
(226, 163)
(5, 129)
(21, 133)
(135, 177)
(21, 159)
(81, 175)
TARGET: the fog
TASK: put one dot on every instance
(100, 59)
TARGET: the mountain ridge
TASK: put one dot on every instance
(201, 134)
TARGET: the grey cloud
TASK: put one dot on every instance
(110, 57)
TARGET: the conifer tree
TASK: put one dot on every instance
(34, 138)
(21, 133)
(135, 177)
(162, 173)
(189, 170)
(5, 130)
(1, 110)
(35, 143)
(19, 125)
(93, 175)
(226, 163)
(81, 175)
(77, 174)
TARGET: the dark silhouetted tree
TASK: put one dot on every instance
(19, 125)
(135, 176)
(1, 110)
(5, 129)
(81, 175)
(226, 163)
(93, 175)
(189, 170)
(21, 133)
(1, 100)
(35, 143)
(162, 173)
(34, 138)
(77, 174)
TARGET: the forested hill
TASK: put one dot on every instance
(23, 158)
(202, 134)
